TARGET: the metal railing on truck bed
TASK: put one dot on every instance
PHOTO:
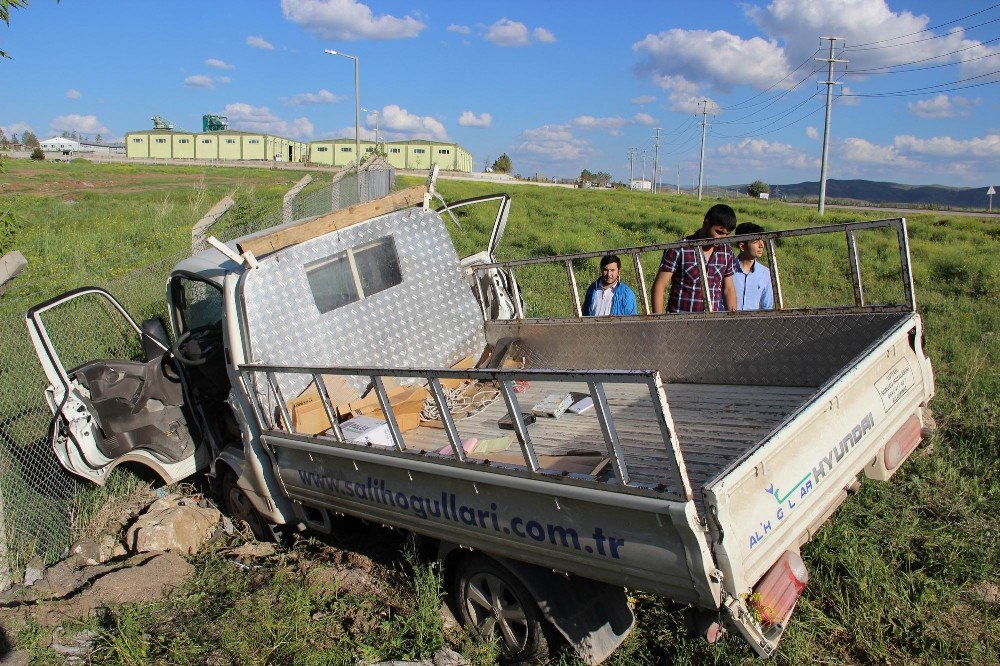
(676, 485)
(848, 229)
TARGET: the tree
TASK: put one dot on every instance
(380, 151)
(37, 154)
(502, 164)
(29, 139)
(758, 187)
(4, 143)
(13, 138)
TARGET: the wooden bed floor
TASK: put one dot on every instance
(715, 423)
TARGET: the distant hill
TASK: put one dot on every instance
(888, 193)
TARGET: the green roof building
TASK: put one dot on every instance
(218, 145)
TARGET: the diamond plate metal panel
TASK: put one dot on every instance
(797, 350)
(431, 319)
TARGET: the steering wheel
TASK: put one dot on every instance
(198, 335)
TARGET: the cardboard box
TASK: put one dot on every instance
(363, 429)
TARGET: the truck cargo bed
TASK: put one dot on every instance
(715, 423)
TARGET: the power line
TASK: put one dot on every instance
(777, 116)
(770, 131)
(933, 27)
(773, 101)
(917, 69)
(929, 89)
(917, 41)
(912, 94)
(773, 85)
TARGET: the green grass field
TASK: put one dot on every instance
(905, 572)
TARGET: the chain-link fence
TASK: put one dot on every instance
(40, 503)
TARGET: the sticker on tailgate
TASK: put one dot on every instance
(893, 385)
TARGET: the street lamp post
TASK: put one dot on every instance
(357, 116)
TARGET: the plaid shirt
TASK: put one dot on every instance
(685, 285)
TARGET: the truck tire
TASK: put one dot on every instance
(492, 603)
(239, 508)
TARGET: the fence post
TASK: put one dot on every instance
(200, 230)
(286, 202)
(11, 266)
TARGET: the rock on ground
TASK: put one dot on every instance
(169, 524)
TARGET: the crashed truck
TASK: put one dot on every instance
(353, 363)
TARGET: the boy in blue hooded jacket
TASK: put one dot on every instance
(608, 295)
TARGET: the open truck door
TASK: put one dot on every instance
(114, 390)
(496, 289)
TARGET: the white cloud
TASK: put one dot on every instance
(245, 116)
(644, 99)
(552, 143)
(15, 128)
(812, 132)
(400, 121)
(365, 133)
(75, 122)
(644, 119)
(985, 148)
(219, 64)
(73, 93)
(199, 81)
(797, 24)
(760, 154)
(258, 42)
(854, 149)
(942, 106)
(543, 35)
(611, 124)
(322, 96)
(470, 119)
(223, 79)
(718, 59)
(683, 94)
(348, 19)
(460, 29)
(508, 33)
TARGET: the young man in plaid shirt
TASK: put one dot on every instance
(679, 269)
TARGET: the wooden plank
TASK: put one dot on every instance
(298, 233)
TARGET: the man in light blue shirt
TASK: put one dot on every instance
(752, 279)
(608, 295)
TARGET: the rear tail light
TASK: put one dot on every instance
(902, 443)
(779, 589)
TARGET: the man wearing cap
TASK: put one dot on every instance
(679, 270)
(752, 279)
(608, 295)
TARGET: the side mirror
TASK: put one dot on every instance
(155, 340)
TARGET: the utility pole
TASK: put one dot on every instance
(656, 157)
(678, 179)
(829, 83)
(631, 168)
(704, 127)
(643, 165)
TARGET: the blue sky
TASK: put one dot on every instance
(558, 86)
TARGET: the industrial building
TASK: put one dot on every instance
(218, 142)
(217, 145)
(414, 154)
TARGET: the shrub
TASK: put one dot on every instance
(37, 154)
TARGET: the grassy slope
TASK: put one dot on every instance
(902, 571)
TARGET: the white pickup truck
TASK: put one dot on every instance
(353, 363)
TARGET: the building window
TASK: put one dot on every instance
(322, 149)
(161, 141)
(206, 141)
(419, 151)
(183, 140)
(136, 140)
(369, 149)
(350, 276)
(253, 141)
(230, 140)
(346, 149)
(444, 151)
(394, 151)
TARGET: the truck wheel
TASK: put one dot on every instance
(493, 603)
(241, 510)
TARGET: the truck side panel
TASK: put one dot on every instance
(619, 538)
(780, 494)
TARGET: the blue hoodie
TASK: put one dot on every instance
(622, 303)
